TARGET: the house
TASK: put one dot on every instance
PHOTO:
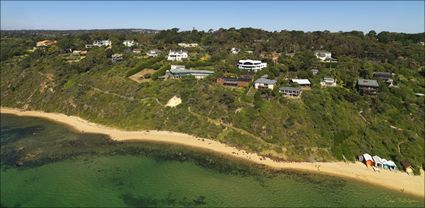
(383, 75)
(314, 71)
(386, 76)
(129, 43)
(242, 81)
(178, 73)
(188, 45)
(102, 43)
(377, 161)
(389, 164)
(153, 53)
(323, 55)
(252, 65)
(367, 86)
(117, 57)
(177, 55)
(178, 67)
(235, 50)
(136, 50)
(328, 82)
(291, 91)
(79, 53)
(302, 82)
(407, 166)
(367, 159)
(45, 43)
(263, 82)
(89, 46)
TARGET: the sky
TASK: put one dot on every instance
(394, 16)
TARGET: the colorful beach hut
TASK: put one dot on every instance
(377, 161)
(367, 159)
(390, 165)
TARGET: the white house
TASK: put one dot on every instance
(253, 65)
(101, 43)
(188, 45)
(130, 43)
(302, 82)
(153, 53)
(328, 82)
(177, 55)
(235, 50)
(117, 57)
(291, 91)
(323, 55)
(264, 83)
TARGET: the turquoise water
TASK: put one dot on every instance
(60, 168)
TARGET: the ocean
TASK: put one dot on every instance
(46, 164)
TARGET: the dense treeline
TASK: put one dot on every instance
(325, 124)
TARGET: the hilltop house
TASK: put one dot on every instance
(102, 43)
(79, 53)
(45, 43)
(367, 86)
(137, 50)
(322, 55)
(130, 43)
(182, 72)
(117, 57)
(382, 75)
(328, 82)
(264, 83)
(188, 45)
(290, 91)
(235, 82)
(177, 55)
(153, 53)
(235, 50)
(253, 65)
(302, 82)
(386, 76)
(314, 71)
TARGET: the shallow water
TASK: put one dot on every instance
(62, 168)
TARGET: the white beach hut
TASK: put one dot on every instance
(367, 159)
(378, 161)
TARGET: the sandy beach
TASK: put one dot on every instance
(398, 181)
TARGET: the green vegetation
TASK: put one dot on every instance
(324, 125)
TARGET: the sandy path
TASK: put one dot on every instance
(399, 181)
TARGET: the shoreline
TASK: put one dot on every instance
(398, 181)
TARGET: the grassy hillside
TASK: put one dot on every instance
(325, 124)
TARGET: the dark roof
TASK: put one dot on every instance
(382, 74)
(240, 79)
(367, 83)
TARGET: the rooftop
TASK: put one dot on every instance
(368, 83)
(301, 81)
(265, 81)
(186, 71)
